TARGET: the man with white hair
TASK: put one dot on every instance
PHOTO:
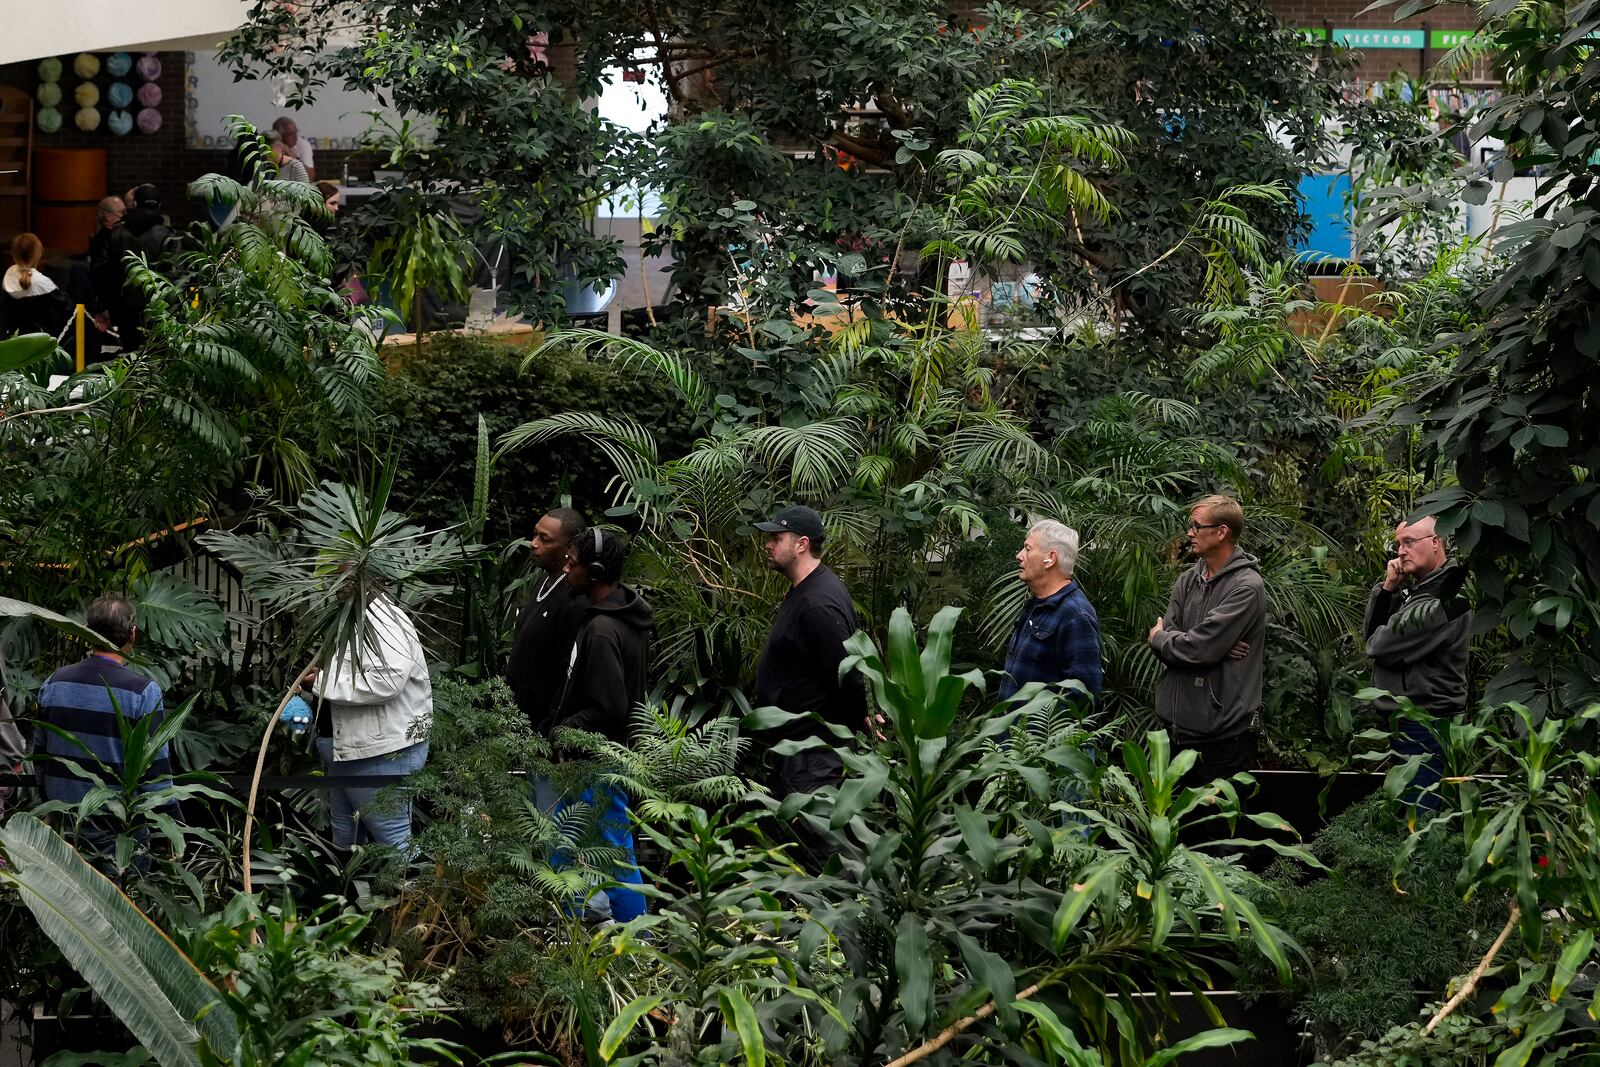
(1418, 629)
(1058, 633)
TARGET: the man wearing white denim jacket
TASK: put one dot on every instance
(380, 706)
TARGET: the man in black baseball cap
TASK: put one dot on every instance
(799, 669)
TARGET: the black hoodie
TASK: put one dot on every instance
(609, 660)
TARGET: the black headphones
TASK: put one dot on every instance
(597, 569)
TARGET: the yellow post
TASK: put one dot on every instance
(78, 329)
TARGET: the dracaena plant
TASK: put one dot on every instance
(123, 806)
(942, 920)
(1517, 797)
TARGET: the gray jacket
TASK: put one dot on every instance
(1417, 638)
(1204, 695)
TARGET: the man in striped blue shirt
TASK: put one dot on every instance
(83, 700)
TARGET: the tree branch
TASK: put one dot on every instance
(1477, 973)
(954, 1030)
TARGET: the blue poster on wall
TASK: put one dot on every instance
(1322, 196)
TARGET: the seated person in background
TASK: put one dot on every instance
(32, 302)
(290, 169)
(297, 146)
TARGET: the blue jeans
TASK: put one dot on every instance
(616, 830)
(359, 816)
(1414, 739)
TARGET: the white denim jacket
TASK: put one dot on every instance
(387, 704)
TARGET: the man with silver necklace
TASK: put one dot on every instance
(548, 625)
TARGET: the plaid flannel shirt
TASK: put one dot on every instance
(1057, 637)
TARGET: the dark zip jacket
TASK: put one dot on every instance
(609, 663)
(1418, 637)
(1204, 695)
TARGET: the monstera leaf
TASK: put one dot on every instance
(177, 614)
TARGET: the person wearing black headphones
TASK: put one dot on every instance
(605, 683)
(606, 678)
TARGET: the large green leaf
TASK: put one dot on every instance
(913, 965)
(616, 1034)
(153, 988)
(741, 1015)
(1210, 1039)
(177, 614)
(21, 609)
(24, 350)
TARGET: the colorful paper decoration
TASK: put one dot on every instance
(120, 94)
(49, 69)
(87, 119)
(87, 94)
(49, 119)
(87, 65)
(149, 120)
(150, 94)
(48, 94)
(120, 122)
(118, 64)
(149, 67)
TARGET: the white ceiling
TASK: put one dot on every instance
(33, 30)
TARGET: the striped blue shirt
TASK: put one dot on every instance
(83, 700)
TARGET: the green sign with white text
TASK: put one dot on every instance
(1313, 34)
(1447, 39)
(1378, 38)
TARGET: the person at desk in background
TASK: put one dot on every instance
(32, 303)
(297, 146)
(290, 169)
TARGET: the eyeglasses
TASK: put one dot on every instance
(1193, 526)
(1413, 542)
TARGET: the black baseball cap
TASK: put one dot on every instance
(796, 519)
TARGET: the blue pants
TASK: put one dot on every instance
(359, 816)
(615, 830)
(1414, 739)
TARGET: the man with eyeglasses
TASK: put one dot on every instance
(1210, 642)
(1418, 629)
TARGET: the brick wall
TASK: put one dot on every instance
(1377, 64)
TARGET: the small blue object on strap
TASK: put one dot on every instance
(296, 715)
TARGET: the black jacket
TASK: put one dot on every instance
(541, 651)
(609, 661)
(144, 231)
(1418, 638)
(799, 668)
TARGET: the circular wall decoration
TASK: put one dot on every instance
(87, 65)
(149, 120)
(120, 94)
(49, 69)
(48, 94)
(118, 64)
(149, 67)
(150, 95)
(87, 94)
(49, 119)
(87, 119)
(119, 122)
